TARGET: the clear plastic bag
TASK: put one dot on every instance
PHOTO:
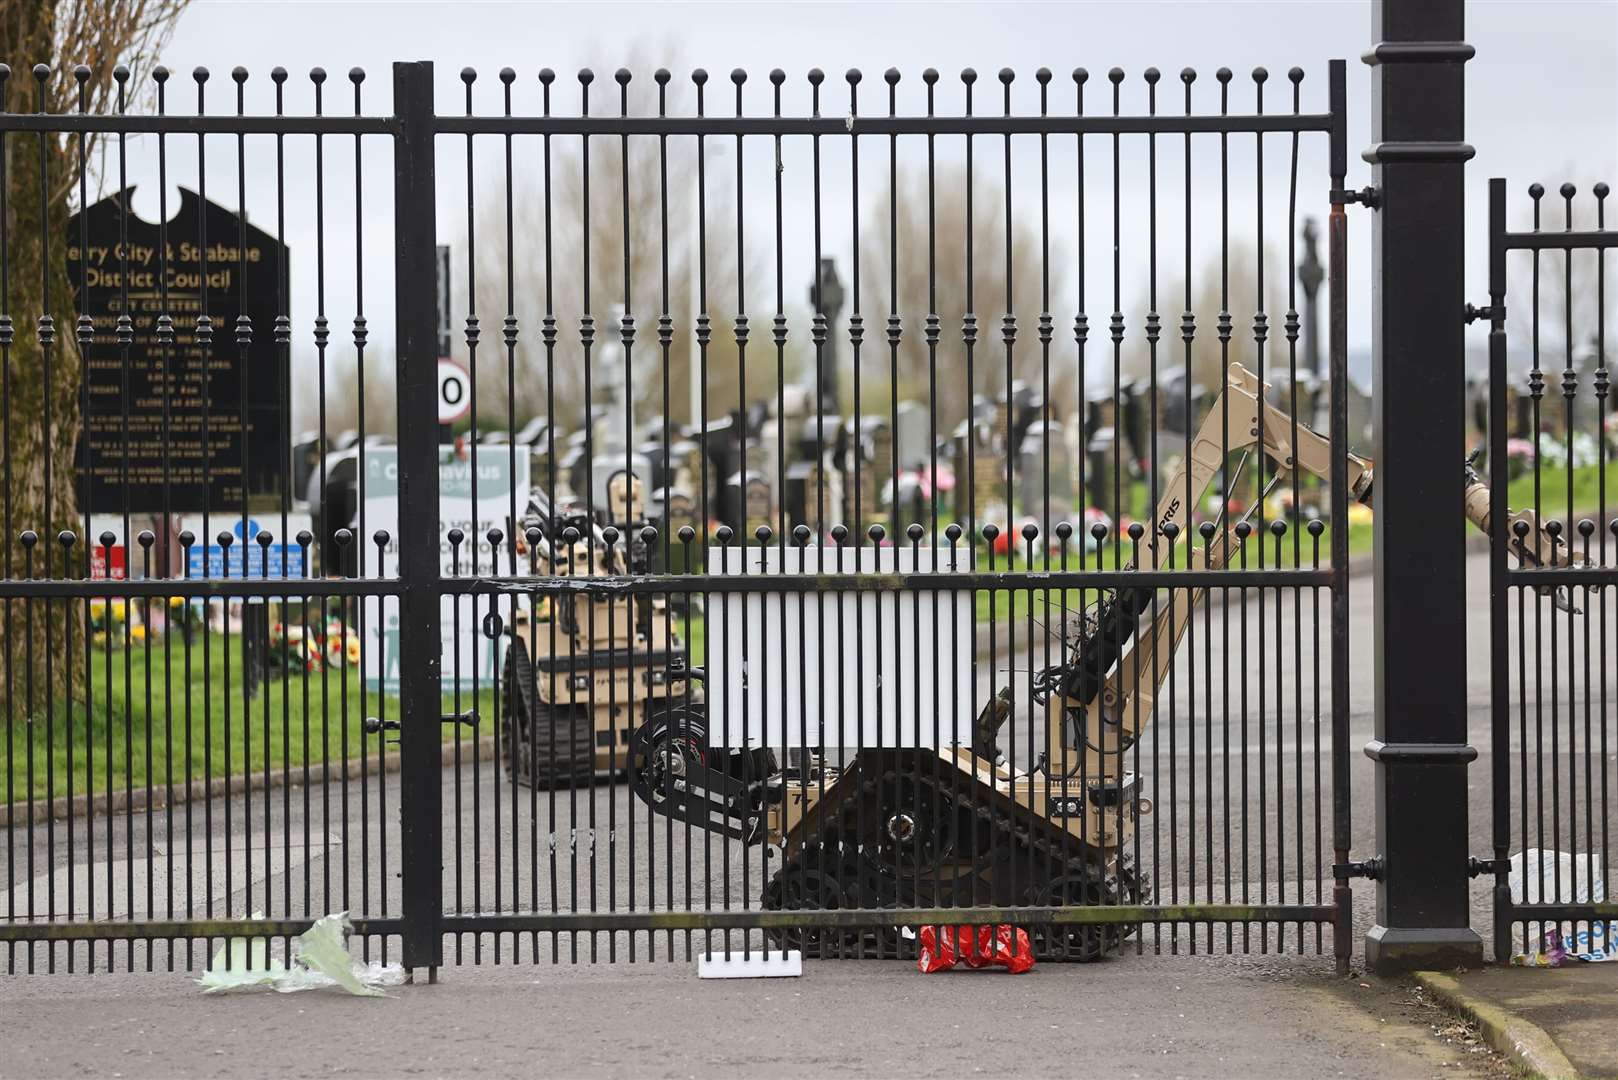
(320, 959)
(1543, 876)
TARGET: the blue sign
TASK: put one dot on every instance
(248, 559)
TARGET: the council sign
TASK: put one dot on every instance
(184, 424)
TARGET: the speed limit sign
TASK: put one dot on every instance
(454, 391)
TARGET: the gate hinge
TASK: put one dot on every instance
(1474, 313)
(1367, 196)
(1481, 867)
(1370, 868)
(469, 718)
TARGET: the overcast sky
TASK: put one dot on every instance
(1542, 104)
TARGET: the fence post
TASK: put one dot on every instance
(1418, 379)
(415, 235)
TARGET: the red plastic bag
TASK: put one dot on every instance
(942, 947)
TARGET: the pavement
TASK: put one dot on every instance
(1147, 1017)
(1550, 1022)
(1218, 784)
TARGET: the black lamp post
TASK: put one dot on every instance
(826, 297)
(1310, 275)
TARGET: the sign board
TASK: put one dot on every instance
(117, 553)
(235, 393)
(890, 668)
(246, 557)
(454, 391)
(471, 658)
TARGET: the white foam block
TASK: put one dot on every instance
(758, 964)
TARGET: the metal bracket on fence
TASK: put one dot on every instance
(1482, 867)
(1370, 868)
(373, 725)
(1367, 196)
(1474, 313)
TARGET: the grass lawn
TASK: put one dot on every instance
(1046, 605)
(183, 726)
(1587, 500)
(188, 726)
(1006, 604)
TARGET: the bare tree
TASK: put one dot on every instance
(606, 247)
(1222, 284)
(1572, 321)
(924, 235)
(345, 391)
(79, 47)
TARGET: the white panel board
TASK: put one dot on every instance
(820, 668)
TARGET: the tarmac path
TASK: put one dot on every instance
(1136, 1015)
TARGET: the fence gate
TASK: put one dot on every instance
(1553, 562)
(1000, 579)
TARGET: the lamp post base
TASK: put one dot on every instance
(1392, 950)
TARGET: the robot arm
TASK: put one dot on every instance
(1530, 543)
(1246, 403)
(1106, 694)
(1119, 618)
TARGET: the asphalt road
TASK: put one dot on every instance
(1243, 812)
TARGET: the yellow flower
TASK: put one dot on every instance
(137, 633)
(176, 601)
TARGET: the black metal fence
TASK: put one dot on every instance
(944, 610)
(1551, 574)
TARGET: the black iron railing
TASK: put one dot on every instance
(466, 763)
(1553, 564)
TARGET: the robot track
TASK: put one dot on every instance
(916, 836)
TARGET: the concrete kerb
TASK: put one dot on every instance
(1525, 1044)
(118, 802)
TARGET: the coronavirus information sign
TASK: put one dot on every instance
(476, 493)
